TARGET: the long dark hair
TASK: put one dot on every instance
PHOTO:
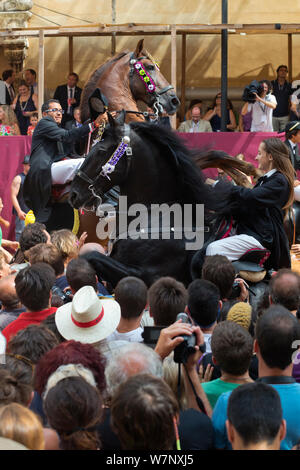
(270, 89)
(214, 104)
(74, 409)
(282, 163)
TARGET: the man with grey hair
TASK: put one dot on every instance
(134, 358)
(195, 428)
(195, 124)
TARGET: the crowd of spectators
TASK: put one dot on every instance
(89, 367)
(19, 112)
(275, 104)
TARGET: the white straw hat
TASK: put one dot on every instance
(87, 318)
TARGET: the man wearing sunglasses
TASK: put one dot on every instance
(50, 164)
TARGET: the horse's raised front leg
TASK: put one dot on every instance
(108, 269)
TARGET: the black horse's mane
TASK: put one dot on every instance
(91, 84)
(170, 146)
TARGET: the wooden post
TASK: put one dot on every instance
(183, 76)
(113, 18)
(41, 72)
(71, 61)
(224, 67)
(290, 56)
(173, 67)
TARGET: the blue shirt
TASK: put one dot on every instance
(290, 402)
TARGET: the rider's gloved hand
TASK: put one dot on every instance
(100, 119)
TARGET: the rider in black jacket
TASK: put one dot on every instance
(259, 212)
(50, 144)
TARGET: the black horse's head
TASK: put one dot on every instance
(94, 178)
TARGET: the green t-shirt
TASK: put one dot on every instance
(215, 388)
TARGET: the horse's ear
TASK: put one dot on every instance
(111, 120)
(139, 48)
(120, 120)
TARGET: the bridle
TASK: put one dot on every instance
(109, 167)
(137, 66)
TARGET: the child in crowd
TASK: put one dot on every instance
(34, 118)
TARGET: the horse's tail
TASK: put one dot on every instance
(220, 159)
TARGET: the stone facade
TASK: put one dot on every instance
(15, 14)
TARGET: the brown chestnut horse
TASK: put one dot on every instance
(127, 78)
(120, 82)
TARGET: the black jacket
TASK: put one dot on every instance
(295, 159)
(61, 94)
(50, 143)
(8, 99)
(259, 214)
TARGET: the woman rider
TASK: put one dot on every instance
(259, 212)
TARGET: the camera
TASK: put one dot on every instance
(151, 335)
(235, 290)
(65, 296)
(249, 90)
(187, 347)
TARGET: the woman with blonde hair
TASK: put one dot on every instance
(67, 243)
(21, 425)
(8, 121)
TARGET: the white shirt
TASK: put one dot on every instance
(10, 90)
(71, 94)
(270, 172)
(134, 336)
(195, 127)
(294, 146)
(262, 115)
(295, 97)
(207, 341)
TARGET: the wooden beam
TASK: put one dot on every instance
(130, 29)
(71, 54)
(41, 71)
(183, 76)
(290, 57)
(173, 67)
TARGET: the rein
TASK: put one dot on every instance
(110, 166)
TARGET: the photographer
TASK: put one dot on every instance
(168, 340)
(262, 107)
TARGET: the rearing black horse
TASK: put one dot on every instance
(160, 170)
